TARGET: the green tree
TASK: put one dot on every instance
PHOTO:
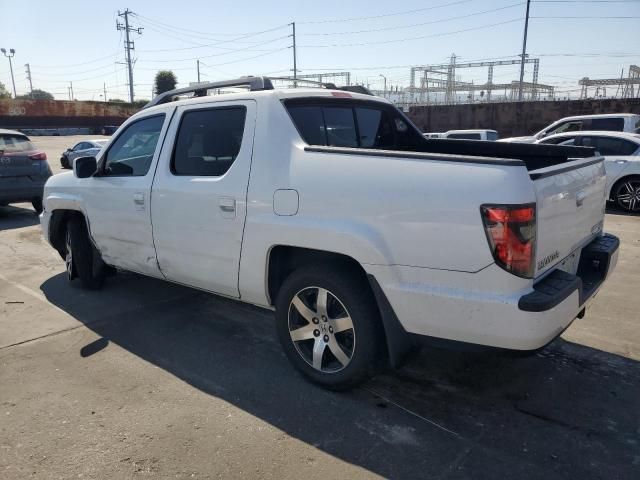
(37, 94)
(165, 80)
(4, 93)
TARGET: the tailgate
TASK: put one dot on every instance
(570, 201)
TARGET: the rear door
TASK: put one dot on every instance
(616, 151)
(15, 160)
(199, 196)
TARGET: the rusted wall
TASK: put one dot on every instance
(512, 119)
(56, 113)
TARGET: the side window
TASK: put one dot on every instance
(340, 127)
(132, 152)
(610, 146)
(375, 128)
(607, 124)
(208, 141)
(560, 141)
(464, 136)
(310, 123)
(493, 136)
(79, 146)
(567, 127)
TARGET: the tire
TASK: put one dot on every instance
(37, 205)
(64, 162)
(82, 260)
(626, 194)
(348, 296)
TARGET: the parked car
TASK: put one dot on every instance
(614, 122)
(85, 148)
(23, 170)
(477, 134)
(621, 153)
(330, 208)
(432, 134)
(107, 129)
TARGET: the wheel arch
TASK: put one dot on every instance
(58, 227)
(620, 180)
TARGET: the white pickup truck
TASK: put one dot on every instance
(329, 207)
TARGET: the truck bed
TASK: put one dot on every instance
(534, 156)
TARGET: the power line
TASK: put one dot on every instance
(384, 15)
(431, 22)
(413, 38)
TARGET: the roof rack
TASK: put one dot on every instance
(200, 90)
(254, 83)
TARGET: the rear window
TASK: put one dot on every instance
(464, 136)
(607, 124)
(610, 146)
(15, 143)
(352, 124)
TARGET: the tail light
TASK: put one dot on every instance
(38, 156)
(511, 232)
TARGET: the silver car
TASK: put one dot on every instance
(85, 148)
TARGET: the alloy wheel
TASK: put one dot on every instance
(68, 258)
(628, 195)
(321, 329)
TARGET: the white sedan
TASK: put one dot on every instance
(621, 153)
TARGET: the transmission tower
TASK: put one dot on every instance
(128, 45)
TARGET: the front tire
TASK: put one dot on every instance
(64, 162)
(37, 205)
(329, 326)
(82, 260)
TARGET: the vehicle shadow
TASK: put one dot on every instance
(12, 217)
(569, 411)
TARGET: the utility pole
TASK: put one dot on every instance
(524, 52)
(71, 91)
(198, 67)
(128, 45)
(28, 71)
(104, 88)
(384, 92)
(295, 59)
(10, 55)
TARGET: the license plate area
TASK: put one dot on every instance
(570, 263)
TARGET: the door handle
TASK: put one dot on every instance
(138, 199)
(621, 161)
(227, 204)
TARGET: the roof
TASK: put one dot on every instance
(634, 137)
(602, 115)
(278, 94)
(4, 131)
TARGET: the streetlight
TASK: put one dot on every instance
(9, 55)
(384, 92)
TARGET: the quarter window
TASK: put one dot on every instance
(132, 152)
(208, 141)
(607, 124)
(610, 146)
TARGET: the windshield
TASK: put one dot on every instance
(10, 142)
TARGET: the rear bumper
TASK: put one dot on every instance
(491, 307)
(596, 261)
(21, 189)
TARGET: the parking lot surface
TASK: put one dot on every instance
(146, 378)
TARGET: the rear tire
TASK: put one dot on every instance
(82, 259)
(64, 162)
(329, 325)
(37, 205)
(626, 194)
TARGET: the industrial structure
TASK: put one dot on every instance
(626, 87)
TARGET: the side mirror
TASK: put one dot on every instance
(84, 167)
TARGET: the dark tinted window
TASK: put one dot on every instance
(610, 146)
(492, 136)
(560, 141)
(208, 141)
(353, 125)
(340, 127)
(572, 126)
(310, 123)
(464, 136)
(375, 128)
(15, 143)
(609, 124)
(132, 152)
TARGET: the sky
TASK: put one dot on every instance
(77, 41)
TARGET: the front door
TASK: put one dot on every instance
(117, 197)
(198, 201)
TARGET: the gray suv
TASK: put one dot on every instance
(23, 170)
